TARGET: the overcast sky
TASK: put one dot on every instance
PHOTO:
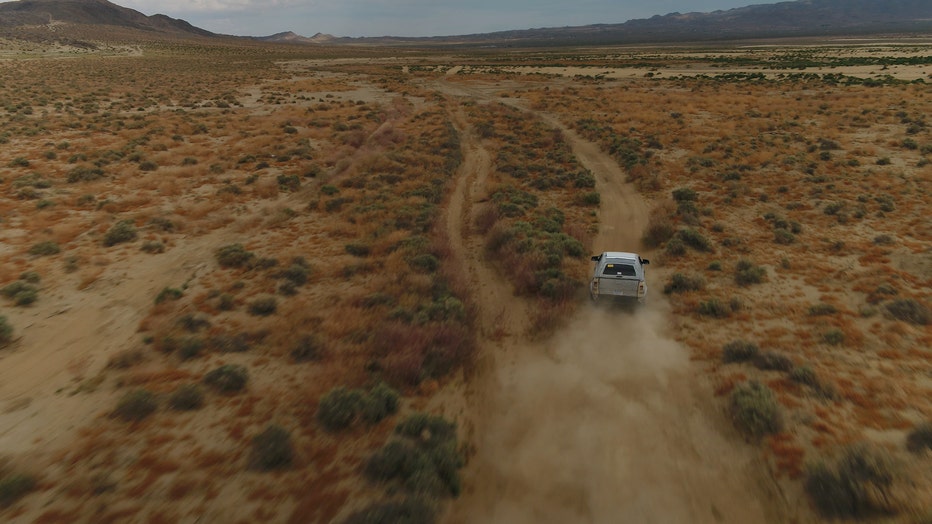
(411, 17)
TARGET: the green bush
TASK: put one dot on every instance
(307, 348)
(425, 461)
(339, 408)
(684, 194)
(122, 231)
(771, 361)
(695, 240)
(186, 398)
(357, 249)
(227, 378)
(714, 308)
(136, 405)
(153, 247)
(675, 247)
(754, 410)
(234, 255)
(739, 351)
(168, 293)
(746, 273)
(858, 485)
(14, 487)
(190, 347)
(920, 438)
(412, 510)
(45, 249)
(680, 283)
(20, 292)
(822, 309)
(296, 273)
(263, 306)
(783, 237)
(805, 375)
(381, 402)
(834, 337)
(910, 310)
(6, 331)
(271, 449)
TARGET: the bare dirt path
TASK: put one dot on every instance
(607, 421)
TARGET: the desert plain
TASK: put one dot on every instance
(260, 283)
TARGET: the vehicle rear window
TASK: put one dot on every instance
(625, 270)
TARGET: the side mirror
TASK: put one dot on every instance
(595, 258)
(645, 261)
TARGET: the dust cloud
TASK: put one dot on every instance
(602, 423)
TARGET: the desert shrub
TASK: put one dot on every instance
(45, 249)
(234, 255)
(357, 249)
(410, 510)
(190, 347)
(288, 289)
(681, 283)
(381, 402)
(263, 306)
(425, 460)
(772, 361)
(425, 263)
(714, 308)
(296, 273)
(695, 240)
(238, 343)
(675, 247)
(30, 277)
(186, 398)
(833, 337)
(859, 483)
(227, 378)
(429, 429)
(136, 405)
(13, 487)
(822, 309)
(591, 198)
(20, 292)
(307, 348)
(289, 182)
(746, 273)
(754, 410)
(226, 302)
(339, 408)
(660, 229)
(920, 438)
(739, 351)
(715, 265)
(193, 322)
(805, 375)
(168, 293)
(783, 237)
(162, 224)
(271, 449)
(6, 331)
(684, 194)
(909, 310)
(148, 165)
(122, 231)
(153, 247)
(84, 174)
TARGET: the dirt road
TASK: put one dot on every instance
(606, 421)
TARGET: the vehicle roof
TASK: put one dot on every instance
(620, 254)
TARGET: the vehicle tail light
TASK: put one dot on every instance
(594, 287)
(642, 289)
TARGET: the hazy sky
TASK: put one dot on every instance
(411, 17)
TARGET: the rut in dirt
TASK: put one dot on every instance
(605, 421)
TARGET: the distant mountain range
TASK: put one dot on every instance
(36, 18)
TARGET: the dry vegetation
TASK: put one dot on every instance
(315, 307)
